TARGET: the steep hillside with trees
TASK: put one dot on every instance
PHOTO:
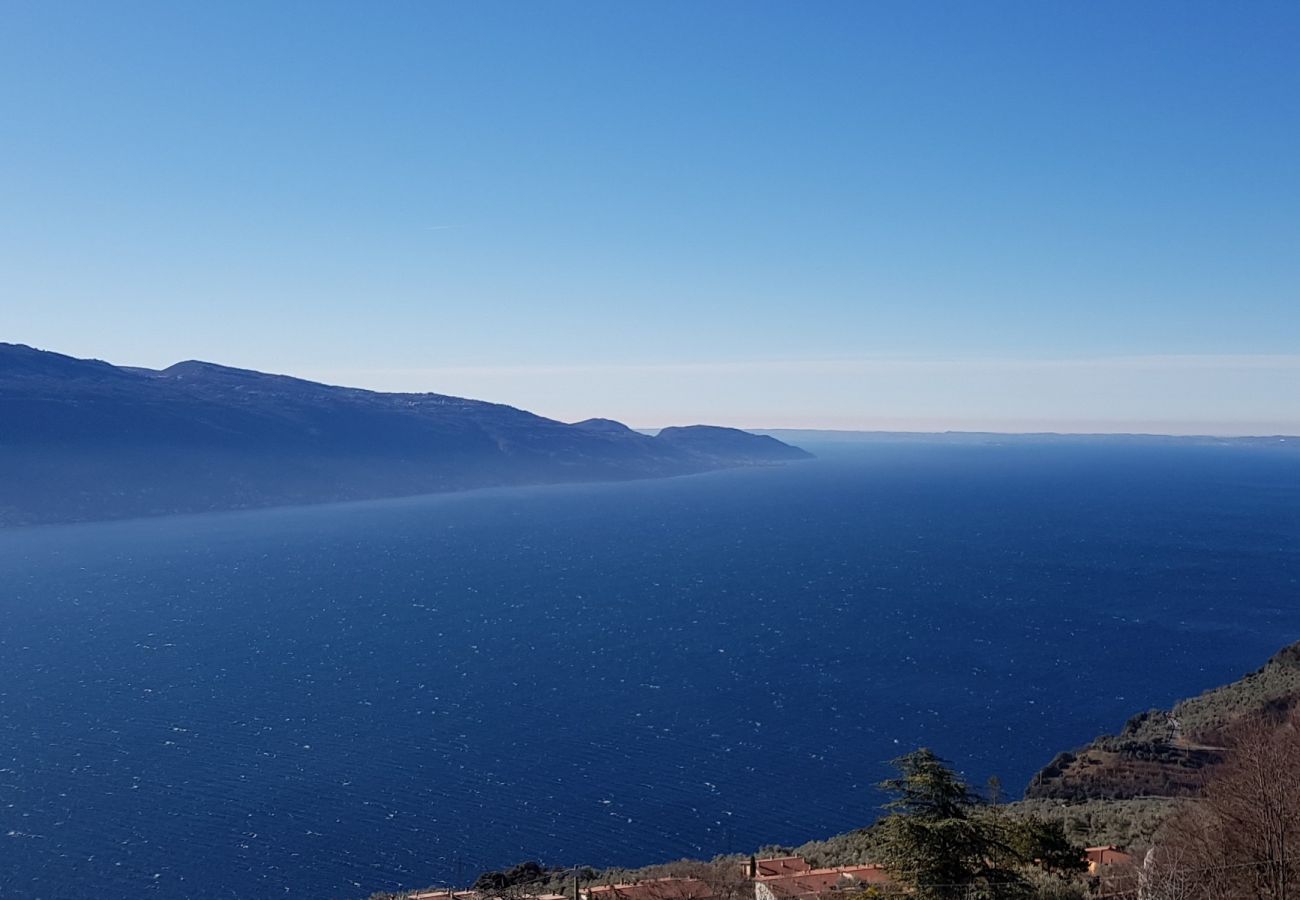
(1165, 753)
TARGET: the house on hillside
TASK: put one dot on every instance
(792, 878)
(1100, 858)
(652, 889)
(779, 865)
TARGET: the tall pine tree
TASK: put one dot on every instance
(936, 841)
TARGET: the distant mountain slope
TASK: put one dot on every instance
(729, 443)
(83, 439)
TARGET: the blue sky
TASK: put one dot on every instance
(1075, 216)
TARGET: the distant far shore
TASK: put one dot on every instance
(1029, 437)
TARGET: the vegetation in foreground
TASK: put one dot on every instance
(941, 840)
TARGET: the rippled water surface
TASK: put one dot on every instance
(325, 702)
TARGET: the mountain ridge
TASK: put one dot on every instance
(84, 439)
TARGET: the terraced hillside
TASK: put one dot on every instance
(1164, 753)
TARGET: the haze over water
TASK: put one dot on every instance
(324, 702)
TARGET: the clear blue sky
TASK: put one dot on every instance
(1009, 215)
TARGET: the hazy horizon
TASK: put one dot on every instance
(565, 407)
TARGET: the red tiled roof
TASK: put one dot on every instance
(819, 881)
(781, 865)
(653, 889)
(1109, 855)
(444, 894)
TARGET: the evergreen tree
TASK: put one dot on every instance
(936, 842)
(1036, 840)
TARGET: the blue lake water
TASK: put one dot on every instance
(329, 701)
